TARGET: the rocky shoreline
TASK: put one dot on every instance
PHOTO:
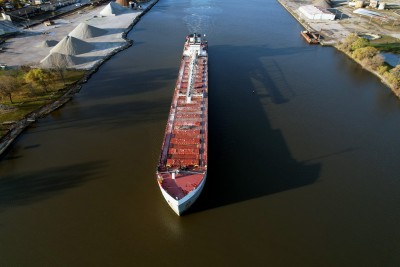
(18, 127)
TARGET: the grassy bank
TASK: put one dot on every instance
(22, 96)
(387, 44)
(367, 55)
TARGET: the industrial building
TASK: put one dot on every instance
(316, 13)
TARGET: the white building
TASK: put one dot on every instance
(316, 13)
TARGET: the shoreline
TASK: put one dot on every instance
(308, 26)
(381, 77)
(334, 43)
(19, 126)
(16, 129)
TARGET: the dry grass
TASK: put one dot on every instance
(32, 97)
(387, 44)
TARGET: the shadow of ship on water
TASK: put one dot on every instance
(247, 158)
(26, 188)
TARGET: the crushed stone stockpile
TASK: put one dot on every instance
(47, 43)
(112, 9)
(55, 60)
(84, 31)
(70, 45)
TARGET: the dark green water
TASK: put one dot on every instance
(304, 172)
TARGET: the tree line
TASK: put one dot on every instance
(360, 49)
(26, 80)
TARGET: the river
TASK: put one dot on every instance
(302, 172)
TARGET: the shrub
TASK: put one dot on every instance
(25, 68)
(382, 69)
(359, 43)
(396, 72)
(391, 79)
(347, 42)
(373, 62)
(365, 52)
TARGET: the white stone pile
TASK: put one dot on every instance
(66, 51)
(85, 31)
(47, 43)
(57, 60)
(112, 9)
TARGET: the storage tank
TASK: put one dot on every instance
(124, 3)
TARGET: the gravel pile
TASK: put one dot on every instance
(84, 31)
(55, 60)
(70, 45)
(47, 43)
(112, 9)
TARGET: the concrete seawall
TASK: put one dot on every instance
(295, 15)
(318, 26)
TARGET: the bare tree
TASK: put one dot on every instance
(59, 64)
(8, 86)
(391, 79)
(396, 72)
(374, 62)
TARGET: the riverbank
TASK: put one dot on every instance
(346, 21)
(29, 48)
(394, 90)
(333, 32)
(125, 23)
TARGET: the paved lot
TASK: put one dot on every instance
(346, 21)
(25, 48)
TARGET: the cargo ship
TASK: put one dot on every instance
(182, 167)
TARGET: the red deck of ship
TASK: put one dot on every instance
(182, 184)
(185, 142)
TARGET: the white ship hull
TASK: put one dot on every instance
(181, 205)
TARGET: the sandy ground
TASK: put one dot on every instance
(346, 21)
(25, 48)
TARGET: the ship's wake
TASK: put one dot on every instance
(198, 23)
(201, 17)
